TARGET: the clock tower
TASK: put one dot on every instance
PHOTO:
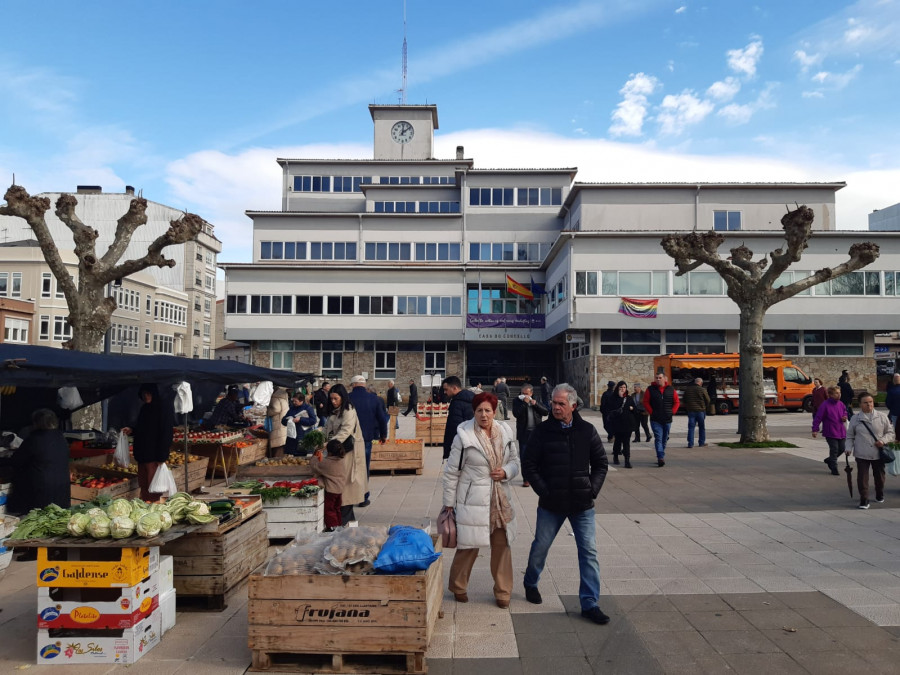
(404, 132)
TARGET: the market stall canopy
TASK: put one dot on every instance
(715, 361)
(99, 376)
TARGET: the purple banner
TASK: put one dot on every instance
(504, 320)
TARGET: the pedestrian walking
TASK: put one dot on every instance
(832, 416)
(869, 431)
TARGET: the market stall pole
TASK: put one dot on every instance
(338, 623)
(403, 454)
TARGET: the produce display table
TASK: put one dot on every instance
(357, 623)
(208, 564)
(226, 453)
(196, 470)
(123, 484)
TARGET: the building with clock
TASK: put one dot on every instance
(406, 264)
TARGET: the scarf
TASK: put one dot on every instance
(501, 511)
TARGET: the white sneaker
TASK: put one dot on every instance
(864, 505)
(880, 501)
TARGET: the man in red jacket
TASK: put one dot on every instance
(661, 402)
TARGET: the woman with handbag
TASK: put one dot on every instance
(622, 422)
(869, 432)
(484, 458)
(343, 425)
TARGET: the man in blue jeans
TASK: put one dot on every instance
(566, 466)
(696, 403)
(661, 402)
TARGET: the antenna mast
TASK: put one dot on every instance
(403, 67)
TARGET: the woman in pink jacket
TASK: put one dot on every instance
(832, 416)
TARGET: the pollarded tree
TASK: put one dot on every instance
(752, 287)
(90, 310)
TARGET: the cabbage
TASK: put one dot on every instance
(199, 508)
(166, 520)
(78, 524)
(137, 512)
(99, 527)
(121, 527)
(149, 525)
(119, 507)
(96, 511)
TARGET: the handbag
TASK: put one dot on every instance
(446, 527)
(885, 454)
(893, 468)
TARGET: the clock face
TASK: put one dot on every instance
(402, 132)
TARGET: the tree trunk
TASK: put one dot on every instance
(752, 392)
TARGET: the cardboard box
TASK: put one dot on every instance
(63, 646)
(95, 567)
(90, 608)
(167, 608)
(166, 573)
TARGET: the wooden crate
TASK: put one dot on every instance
(431, 430)
(125, 490)
(234, 457)
(196, 474)
(290, 515)
(210, 564)
(277, 473)
(344, 617)
(394, 456)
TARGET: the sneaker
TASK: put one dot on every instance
(863, 505)
(704, 445)
(596, 615)
(533, 595)
(880, 500)
(364, 504)
(660, 462)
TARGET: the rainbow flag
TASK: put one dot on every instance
(514, 287)
(639, 309)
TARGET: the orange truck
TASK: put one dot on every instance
(785, 385)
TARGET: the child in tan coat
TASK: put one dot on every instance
(333, 473)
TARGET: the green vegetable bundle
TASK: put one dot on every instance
(50, 521)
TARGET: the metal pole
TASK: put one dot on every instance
(104, 405)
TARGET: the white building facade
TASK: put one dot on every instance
(398, 265)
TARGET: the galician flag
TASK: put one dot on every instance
(514, 287)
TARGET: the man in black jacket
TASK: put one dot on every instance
(528, 413)
(322, 403)
(413, 398)
(459, 411)
(566, 466)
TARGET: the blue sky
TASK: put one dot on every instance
(193, 101)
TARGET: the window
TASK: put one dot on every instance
(163, 344)
(695, 341)
(431, 252)
(146, 338)
(376, 304)
(148, 304)
(511, 196)
(575, 350)
(446, 305)
(615, 341)
(312, 183)
(332, 364)
(385, 360)
(852, 283)
(506, 251)
(388, 251)
(436, 357)
(271, 304)
(16, 291)
(236, 304)
(417, 207)
(207, 306)
(45, 284)
(557, 294)
(309, 304)
(206, 352)
(698, 283)
(167, 312)
(210, 258)
(833, 342)
(210, 283)
(412, 304)
(724, 221)
(44, 327)
(61, 329)
(15, 330)
(326, 250)
(4, 283)
(341, 304)
(206, 329)
(630, 284)
(497, 300)
(585, 283)
(283, 360)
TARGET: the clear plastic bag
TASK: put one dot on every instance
(353, 550)
(122, 456)
(300, 557)
(163, 482)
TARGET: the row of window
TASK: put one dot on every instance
(124, 335)
(509, 251)
(353, 183)
(170, 313)
(434, 305)
(417, 207)
(307, 250)
(61, 328)
(332, 354)
(390, 250)
(15, 330)
(163, 344)
(494, 299)
(510, 196)
(209, 281)
(11, 285)
(127, 299)
(657, 283)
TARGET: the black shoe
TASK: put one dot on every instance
(627, 464)
(637, 440)
(834, 471)
(660, 462)
(596, 615)
(533, 595)
(364, 504)
(615, 459)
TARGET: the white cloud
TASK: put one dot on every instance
(807, 61)
(744, 61)
(857, 31)
(724, 90)
(813, 94)
(670, 66)
(741, 114)
(628, 117)
(681, 10)
(678, 111)
(837, 81)
(863, 28)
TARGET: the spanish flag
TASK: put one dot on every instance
(514, 287)
(639, 309)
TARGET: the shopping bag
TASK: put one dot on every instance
(893, 468)
(291, 428)
(163, 482)
(122, 456)
(446, 527)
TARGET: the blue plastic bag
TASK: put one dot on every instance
(406, 551)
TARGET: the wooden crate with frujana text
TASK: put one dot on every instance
(324, 623)
(399, 455)
(208, 565)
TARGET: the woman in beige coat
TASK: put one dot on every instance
(342, 424)
(278, 407)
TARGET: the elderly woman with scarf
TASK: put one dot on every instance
(484, 458)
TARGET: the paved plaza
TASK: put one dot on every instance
(721, 561)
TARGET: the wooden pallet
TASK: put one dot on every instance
(393, 664)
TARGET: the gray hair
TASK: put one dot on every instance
(44, 419)
(568, 390)
(526, 387)
(698, 380)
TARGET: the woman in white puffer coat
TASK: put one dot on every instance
(484, 458)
